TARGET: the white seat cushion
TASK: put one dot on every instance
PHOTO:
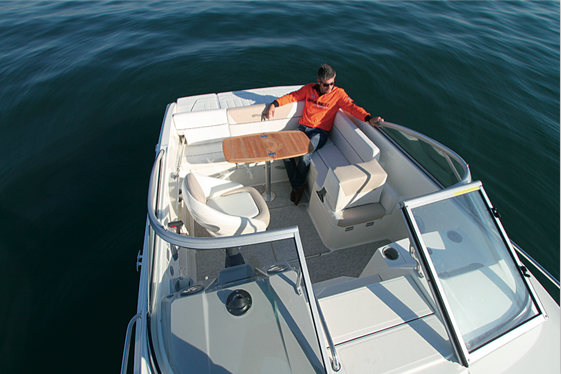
(239, 204)
(332, 156)
(353, 185)
(365, 176)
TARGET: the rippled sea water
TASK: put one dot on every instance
(84, 86)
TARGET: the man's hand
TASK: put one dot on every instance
(269, 111)
(375, 121)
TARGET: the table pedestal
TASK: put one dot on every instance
(268, 195)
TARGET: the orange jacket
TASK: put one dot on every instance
(320, 111)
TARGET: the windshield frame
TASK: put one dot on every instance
(443, 307)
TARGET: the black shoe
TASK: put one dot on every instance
(292, 195)
(298, 194)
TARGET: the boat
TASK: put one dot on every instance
(395, 260)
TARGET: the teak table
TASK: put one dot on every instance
(266, 147)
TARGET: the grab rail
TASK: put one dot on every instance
(335, 364)
(125, 362)
(546, 273)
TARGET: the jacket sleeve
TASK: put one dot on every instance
(347, 104)
(297, 95)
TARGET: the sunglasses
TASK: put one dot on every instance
(327, 84)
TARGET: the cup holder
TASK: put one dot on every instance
(391, 253)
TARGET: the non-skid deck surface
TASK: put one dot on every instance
(322, 263)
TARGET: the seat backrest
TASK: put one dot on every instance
(351, 141)
(195, 199)
(254, 113)
(194, 188)
(202, 126)
(250, 119)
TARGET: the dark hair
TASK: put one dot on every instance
(326, 72)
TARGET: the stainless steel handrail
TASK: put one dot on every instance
(467, 174)
(125, 362)
(546, 273)
(335, 364)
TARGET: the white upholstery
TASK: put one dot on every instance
(254, 113)
(197, 103)
(353, 185)
(354, 144)
(249, 119)
(202, 155)
(349, 188)
(224, 208)
(253, 96)
(347, 169)
(347, 145)
(205, 130)
(201, 127)
(239, 204)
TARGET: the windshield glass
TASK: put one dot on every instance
(435, 159)
(481, 282)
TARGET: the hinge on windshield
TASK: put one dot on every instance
(495, 212)
(524, 270)
(413, 253)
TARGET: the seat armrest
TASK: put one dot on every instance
(389, 198)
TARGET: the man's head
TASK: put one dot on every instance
(326, 78)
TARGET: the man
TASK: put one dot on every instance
(322, 102)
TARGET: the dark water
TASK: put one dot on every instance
(83, 89)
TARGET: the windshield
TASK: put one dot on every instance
(441, 163)
(483, 287)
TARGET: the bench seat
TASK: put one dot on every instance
(348, 186)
